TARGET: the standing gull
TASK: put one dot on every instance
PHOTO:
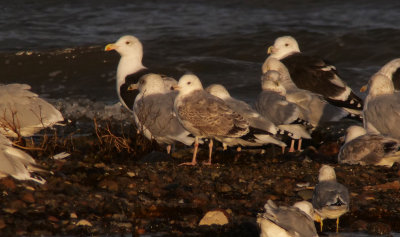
(314, 74)
(154, 112)
(330, 198)
(314, 108)
(272, 104)
(205, 115)
(295, 221)
(266, 129)
(130, 68)
(382, 107)
(23, 113)
(16, 163)
(368, 149)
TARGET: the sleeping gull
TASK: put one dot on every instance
(16, 163)
(130, 68)
(314, 74)
(266, 128)
(382, 108)
(272, 104)
(154, 112)
(368, 149)
(314, 108)
(287, 221)
(23, 113)
(205, 115)
(330, 198)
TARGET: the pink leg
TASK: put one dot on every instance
(196, 146)
(292, 146)
(169, 149)
(299, 145)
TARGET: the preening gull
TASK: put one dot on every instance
(154, 112)
(382, 107)
(272, 104)
(368, 149)
(16, 163)
(23, 113)
(330, 198)
(130, 68)
(266, 129)
(313, 107)
(314, 74)
(287, 221)
(205, 115)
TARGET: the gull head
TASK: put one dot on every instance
(380, 84)
(150, 84)
(127, 46)
(283, 47)
(354, 132)
(326, 173)
(306, 207)
(270, 82)
(219, 91)
(188, 83)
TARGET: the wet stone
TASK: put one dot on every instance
(379, 228)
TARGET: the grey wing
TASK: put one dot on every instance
(275, 107)
(291, 219)
(383, 114)
(211, 116)
(24, 111)
(315, 109)
(328, 193)
(368, 149)
(156, 113)
(255, 119)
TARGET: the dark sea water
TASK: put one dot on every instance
(220, 41)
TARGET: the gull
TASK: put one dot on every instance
(330, 198)
(295, 221)
(363, 148)
(313, 107)
(314, 74)
(23, 113)
(205, 115)
(382, 109)
(154, 112)
(266, 128)
(130, 68)
(16, 163)
(272, 104)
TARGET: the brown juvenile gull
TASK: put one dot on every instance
(154, 112)
(266, 128)
(272, 104)
(205, 115)
(295, 221)
(16, 163)
(330, 198)
(382, 107)
(314, 74)
(313, 107)
(363, 148)
(130, 68)
(24, 113)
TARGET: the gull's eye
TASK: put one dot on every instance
(188, 82)
(286, 44)
(127, 42)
